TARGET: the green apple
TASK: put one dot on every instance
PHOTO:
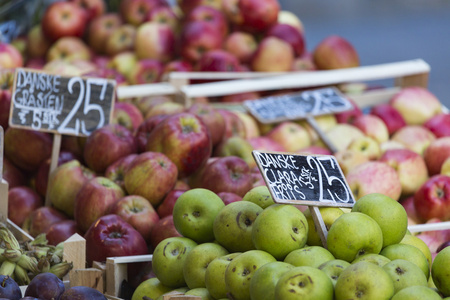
(364, 280)
(233, 225)
(440, 271)
(200, 292)
(237, 146)
(168, 260)
(418, 243)
(259, 195)
(329, 215)
(215, 275)
(417, 292)
(263, 282)
(354, 234)
(333, 268)
(304, 283)
(197, 261)
(409, 253)
(194, 213)
(311, 256)
(240, 271)
(286, 223)
(388, 213)
(377, 259)
(404, 274)
(150, 289)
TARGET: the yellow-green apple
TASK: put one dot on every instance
(409, 253)
(416, 104)
(177, 65)
(198, 292)
(233, 225)
(349, 115)
(285, 222)
(311, 256)
(40, 220)
(214, 16)
(165, 108)
(166, 206)
(258, 15)
(272, 55)
(93, 8)
(417, 242)
(259, 195)
(38, 43)
(366, 145)
(218, 60)
(124, 62)
(68, 49)
(410, 166)
(215, 275)
(354, 234)
(197, 38)
(111, 236)
(22, 200)
(64, 184)
(233, 124)
(439, 124)
(404, 274)
(304, 283)
(325, 123)
(165, 15)
(94, 200)
(374, 177)
(146, 71)
(348, 159)
(228, 197)
(12, 174)
(135, 12)
(185, 139)
(128, 115)
(417, 292)
(236, 146)
(290, 135)
(143, 131)
(21, 45)
(240, 271)
(391, 144)
(303, 63)
(372, 126)
(27, 149)
(10, 57)
(197, 260)
(155, 41)
(147, 102)
(333, 268)
(187, 6)
(116, 171)
(388, 213)
(373, 258)
(61, 67)
(118, 140)
(265, 143)
(62, 230)
(436, 153)
(151, 175)
(290, 34)
(335, 52)
(390, 116)
(408, 204)
(432, 199)
(440, 272)
(263, 282)
(162, 230)
(341, 135)
(445, 167)
(62, 19)
(122, 39)
(250, 124)
(137, 212)
(364, 278)
(288, 17)
(241, 44)
(151, 288)
(213, 120)
(194, 213)
(169, 258)
(329, 215)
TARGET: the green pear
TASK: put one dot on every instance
(377, 259)
(404, 274)
(263, 282)
(311, 256)
(364, 280)
(197, 260)
(354, 234)
(333, 268)
(151, 288)
(304, 283)
(417, 292)
(259, 195)
(440, 271)
(420, 244)
(200, 292)
(329, 215)
(388, 213)
(240, 271)
(233, 225)
(286, 223)
(409, 253)
(215, 275)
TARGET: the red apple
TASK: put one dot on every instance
(111, 236)
(37, 63)
(95, 199)
(408, 205)
(439, 125)
(116, 171)
(211, 15)
(372, 126)
(315, 150)
(241, 44)
(335, 52)
(218, 61)
(258, 15)
(213, 120)
(414, 137)
(12, 174)
(93, 8)
(22, 200)
(62, 19)
(165, 108)
(155, 41)
(228, 197)
(163, 229)
(74, 144)
(264, 143)
(272, 55)
(143, 131)
(5, 105)
(304, 63)
(107, 73)
(185, 139)
(10, 57)
(290, 135)
(60, 231)
(290, 34)
(40, 220)
(68, 49)
(128, 115)
(146, 71)
(349, 115)
(100, 28)
(135, 12)
(234, 126)
(187, 6)
(166, 206)
(197, 38)
(122, 39)
(390, 116)
(432, 200)
(436, 153)
(240, 97)
(177, 66)
(164, 15)
(106, 145)
(232, 11)
(101, 61)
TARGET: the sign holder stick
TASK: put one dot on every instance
(319, 224)
(313, 123)
(54, 159)
(3, 185)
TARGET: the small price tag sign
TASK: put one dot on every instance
(298, 106)
(58, 104)
(313, 180)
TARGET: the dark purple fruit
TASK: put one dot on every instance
(442, 246)
(46, 286)
(9, 289)
(82, 293)
(30, 298)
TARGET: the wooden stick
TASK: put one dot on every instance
(312, 122)
(320, 225)
(141, 90)
(54, 160)
(3, 201)
(430, 227)
(2, 137)
(186, 76)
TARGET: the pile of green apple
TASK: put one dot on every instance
(258, 249)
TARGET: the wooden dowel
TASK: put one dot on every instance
(320, 225)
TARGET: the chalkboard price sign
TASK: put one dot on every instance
(64, 105)
(314, 180)
(298, 106)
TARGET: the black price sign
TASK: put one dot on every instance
(298, 106)
(315, 180)
(64, 105)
